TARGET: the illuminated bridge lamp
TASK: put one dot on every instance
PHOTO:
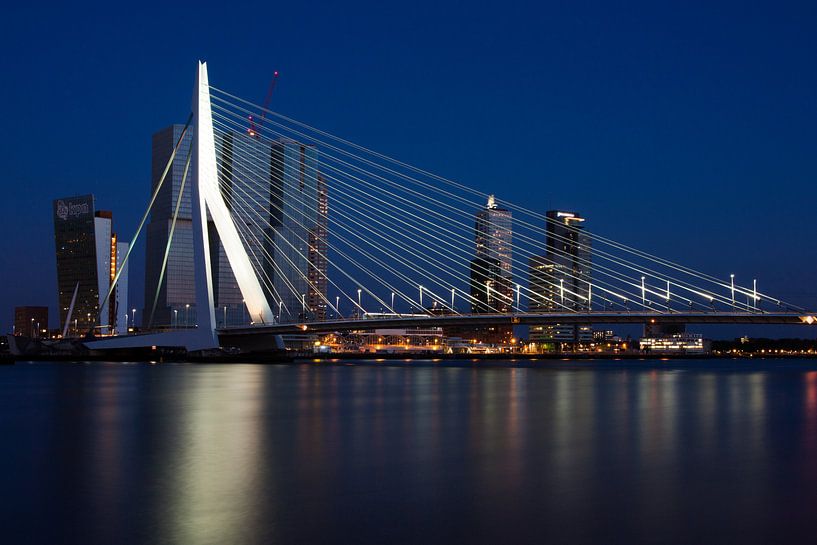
(732, 281)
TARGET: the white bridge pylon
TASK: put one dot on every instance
(207, 197)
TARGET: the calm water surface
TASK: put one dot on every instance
(697, 452)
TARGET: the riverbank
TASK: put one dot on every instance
(443, 360)
(540, 360)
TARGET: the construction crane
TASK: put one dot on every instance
(255, 128)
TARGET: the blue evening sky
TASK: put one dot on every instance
(688, 129)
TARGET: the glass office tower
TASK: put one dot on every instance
(86, 251)
(176, 304)
(491, 268)
(75, 238)
(560, 279)
(297, 194)
(279, 205)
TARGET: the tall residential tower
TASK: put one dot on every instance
(176, 303)
(87, 262)
(560, 280)
(491, 269)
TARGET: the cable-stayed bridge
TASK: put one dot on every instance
(321, 234)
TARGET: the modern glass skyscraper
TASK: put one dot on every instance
(318, 248)
(297, 229)
(244, 172)
(86, 250)
(176, 304)
(279, 204)
(560, 279)
(491, 268)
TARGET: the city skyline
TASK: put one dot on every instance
(567, 257)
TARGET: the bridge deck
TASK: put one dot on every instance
(399, 322)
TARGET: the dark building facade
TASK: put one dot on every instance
(88, 259)
(75, 240)
(280, 204)
(491, 276)
(491, 268)
(298, 231)
(560, 280)
(31, 321)
(317, 290)
(176, 303)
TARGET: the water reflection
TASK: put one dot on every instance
(214, 474)
(382, 454)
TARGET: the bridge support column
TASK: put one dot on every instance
(207, 197)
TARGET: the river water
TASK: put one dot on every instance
(560, 452)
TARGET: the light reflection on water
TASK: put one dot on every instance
(391, 454)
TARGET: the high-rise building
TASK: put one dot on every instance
(298, 225)
(559, 281)
(279, 204)
(176, 299)
(491, 268)
(244, 172)
(122, 308)
(86, 249)
(105, 263)
(318, 247)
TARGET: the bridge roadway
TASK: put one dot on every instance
(523, 318)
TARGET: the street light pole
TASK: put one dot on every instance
(643, 293)
(337, 305)
(754, 293)
(133, 318)
(421, 298)
(732, 280)
(359, 305)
